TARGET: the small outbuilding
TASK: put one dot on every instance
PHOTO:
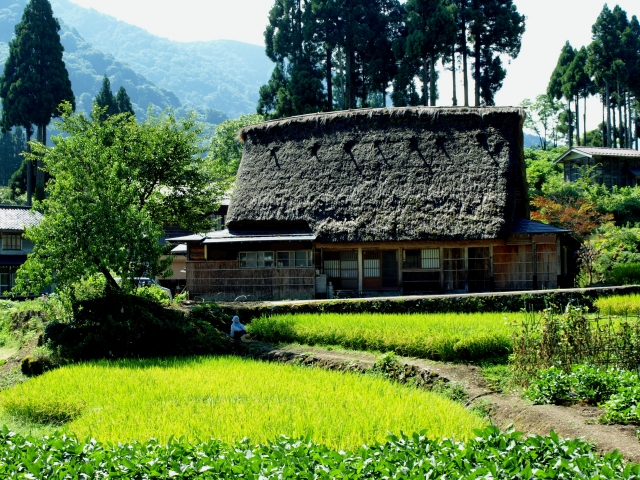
(611, 166)
(393, 201)
(14, 247)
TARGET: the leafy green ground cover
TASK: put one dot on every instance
(446, 336)
(617, 391)
(624, 305)
(490, 454)
(229, 399)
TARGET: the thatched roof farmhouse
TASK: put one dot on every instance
(397, 200)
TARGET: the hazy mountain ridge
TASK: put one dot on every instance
(87, 66)
(223, 74)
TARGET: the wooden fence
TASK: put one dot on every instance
(226, 281)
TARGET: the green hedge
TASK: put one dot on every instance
(490, 455)
(450, 303)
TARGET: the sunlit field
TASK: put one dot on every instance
(437, 336)
(230, 399)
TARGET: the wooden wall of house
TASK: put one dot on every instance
(609, 171)
(225, 281)
(514, 267)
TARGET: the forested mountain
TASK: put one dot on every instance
(87, 66)
(222, 75)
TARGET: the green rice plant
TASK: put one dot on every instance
(232, 398)
(437, 336)
(43, 411)
(622, 305)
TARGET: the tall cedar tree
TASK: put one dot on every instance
(124, 102)
(432, 31)
(556, 88)
(576, 84)
(105, 99)
(613, 62)
(35, 79)
(496, 29)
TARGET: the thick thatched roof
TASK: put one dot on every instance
(386, 174)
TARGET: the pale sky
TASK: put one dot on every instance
(550, 23)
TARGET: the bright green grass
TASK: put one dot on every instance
(619, 305)
(437, 336)
(232, 398)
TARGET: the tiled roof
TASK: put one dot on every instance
(601, 152)
(520, 225)
(18, 218)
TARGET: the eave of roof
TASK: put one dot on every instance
(592, 152)
(226, 236)
(521, 225)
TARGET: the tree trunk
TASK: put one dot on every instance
(432, 81)
(329, 80)
(570, 125)
(40, 166)
(477, 71)
(577, 120)
(584, 122)
(425, 82)
(615, 139)
(465, 68)
(29, 167)
(604, 127)
(608, 102)
(349, 78)
(620, 117)
(454, 100)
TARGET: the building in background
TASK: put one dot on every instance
(14, 248)
(610, 166)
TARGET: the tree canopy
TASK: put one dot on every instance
(338, 54)
(113, 104)
(115, 184)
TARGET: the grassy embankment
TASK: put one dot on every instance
(447, 336)
(229, 399)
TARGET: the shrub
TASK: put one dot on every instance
(117, 326)
(43, 411)
(625, 274)
(154, 293)
(551, 386)
(623, 406)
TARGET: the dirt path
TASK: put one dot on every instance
(506, 409)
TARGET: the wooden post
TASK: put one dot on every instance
(534, 253)
(360, 270)
(400, 270)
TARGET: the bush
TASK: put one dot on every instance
(552, 386)
(120, 326)
(154, 293)
(625, 274)
(624, 406)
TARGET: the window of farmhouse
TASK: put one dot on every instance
(11, 242)
(427, 258)
(303, 258)
(256, 259)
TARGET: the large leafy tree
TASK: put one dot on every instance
(115, 183)
(35, 79)
(225, 151)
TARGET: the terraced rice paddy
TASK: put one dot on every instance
(446, 336)
(230, 399)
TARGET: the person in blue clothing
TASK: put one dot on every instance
(237, 329)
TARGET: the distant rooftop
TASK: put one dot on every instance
(17, 218)
(599, 152)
